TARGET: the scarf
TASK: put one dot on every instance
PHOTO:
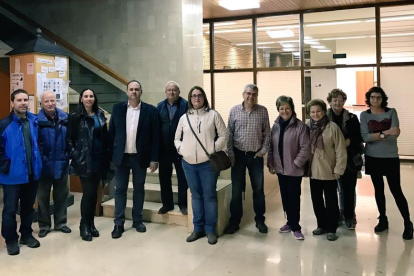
(316, 130)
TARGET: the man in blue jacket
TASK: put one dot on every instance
(20, 169)
(169, 113)
(52, 133)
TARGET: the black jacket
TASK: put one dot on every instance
(168, 127)
(147, 141)
(79, 142)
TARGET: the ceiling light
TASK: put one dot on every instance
(333, 23)
(278, 27)
(318, 46)
(231, 31)
(288, 41)
(296, 53)
(397, 34)
(289, 45)
(397, 18)
(280, 34)
(308, 37)
(258, 43)
(311, 42)
(289, 49)
(234, 5)
(266, 47)
(344, 37)
(325, 51)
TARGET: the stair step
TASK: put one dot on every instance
(152, 177)
(152, 192)
(149, 213)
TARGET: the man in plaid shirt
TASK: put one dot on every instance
(249, 138)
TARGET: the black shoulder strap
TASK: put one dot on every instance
(192, 130)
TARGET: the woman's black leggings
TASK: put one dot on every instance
(89, 197)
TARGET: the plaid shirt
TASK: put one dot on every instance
(249, 131)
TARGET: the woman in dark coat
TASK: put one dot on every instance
(87, 141)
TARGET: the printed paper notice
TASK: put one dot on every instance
(61, 74)
(61, 63)
(17, 65)
(30, 68)
(16, 81)
(45, 61)
(44, 69)
(39, 90)
(52, 69)
(31, 104)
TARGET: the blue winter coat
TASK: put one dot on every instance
(52, 144)
(13, 163)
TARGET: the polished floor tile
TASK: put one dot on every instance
(162, 250)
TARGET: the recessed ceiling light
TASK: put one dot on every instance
(310, 42)
(280, 34)
(258, 43)
(333, 23)
(234, 5)
(288, 41)
(397, 34)
(266, 47)
(318, 46)
(289, 45)
(278, 27)
(397, 18)
(344, 37)
(296, 53)
(231, 31)
(325, 51)
(289, 49)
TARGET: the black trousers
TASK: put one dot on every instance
(349, 181)
(89, 197)
(165, 174)
(326, 210)
(290, 191)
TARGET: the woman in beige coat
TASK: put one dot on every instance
(328, 163)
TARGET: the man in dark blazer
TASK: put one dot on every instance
(134, 138)
(169, 113)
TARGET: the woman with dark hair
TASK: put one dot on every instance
(87, 140)
(288, 153)
(380, 130)
(349, 125)
(210, 129)
(328, 163)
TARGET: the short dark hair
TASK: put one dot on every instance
(285, 99)
(319, 102)
(131, 81)
(18, 91)
(376, 89)
(206, 104)
(95, 106)
(335, 93)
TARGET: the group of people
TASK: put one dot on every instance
(38, 152)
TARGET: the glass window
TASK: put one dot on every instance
(340, 37)
(207, 86)
(397, 34)
(278, 41)
(233, 46)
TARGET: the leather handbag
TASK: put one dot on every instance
(219, 161)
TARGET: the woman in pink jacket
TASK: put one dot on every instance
(288, 153)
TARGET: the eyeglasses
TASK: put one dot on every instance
(200, 96)
(248, 94)
(376, 98)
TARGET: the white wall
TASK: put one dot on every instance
(322, 82)
(358, 51)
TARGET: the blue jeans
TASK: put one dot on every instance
(202, 181)
(12, 194)
(245, 160)
(129, 162)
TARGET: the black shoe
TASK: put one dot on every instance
(43, 233)
(85, 232)
(350, 224)
(408, 232)
(30, 241)
(117, 232)
(94, 231)
(165, 209)
(318, 231)
(64, 229)
(211, 238)
(382, 225)
(184, 210)
(13, 248)
(231, 229)
(262, 227)
(195, 236)
(140, 227)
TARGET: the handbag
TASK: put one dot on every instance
(219, 160)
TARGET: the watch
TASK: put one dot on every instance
(382, 135)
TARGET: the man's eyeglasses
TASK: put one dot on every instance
(200, 96)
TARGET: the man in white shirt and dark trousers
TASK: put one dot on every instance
(133, 133)
(249, 140)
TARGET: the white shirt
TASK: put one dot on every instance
(132, 119)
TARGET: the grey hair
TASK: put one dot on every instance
(48, 91)
(283, 100)
(252, 87)
(173, 82)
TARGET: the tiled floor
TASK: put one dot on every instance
(163, 250)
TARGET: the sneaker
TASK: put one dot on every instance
(195, 236)
(408, 232)
(382, 225)
(318, 231)
(30, 241)
(285, 229)
(12, 248)
(211, 238)
(298, 235)
(331, 237)
(350, 224)
(231, 229)
(262, 227)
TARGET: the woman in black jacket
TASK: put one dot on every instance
(87, 141)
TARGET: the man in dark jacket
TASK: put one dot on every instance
(20, 169)
(169, 113)
(52, 133)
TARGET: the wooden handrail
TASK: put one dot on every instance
(65, 44)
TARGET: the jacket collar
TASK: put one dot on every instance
(61, 115)
(29, 116)
(293, 120)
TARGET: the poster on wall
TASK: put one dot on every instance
(31, 106)
(59, 87)
(61, 63)
(16, 81)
